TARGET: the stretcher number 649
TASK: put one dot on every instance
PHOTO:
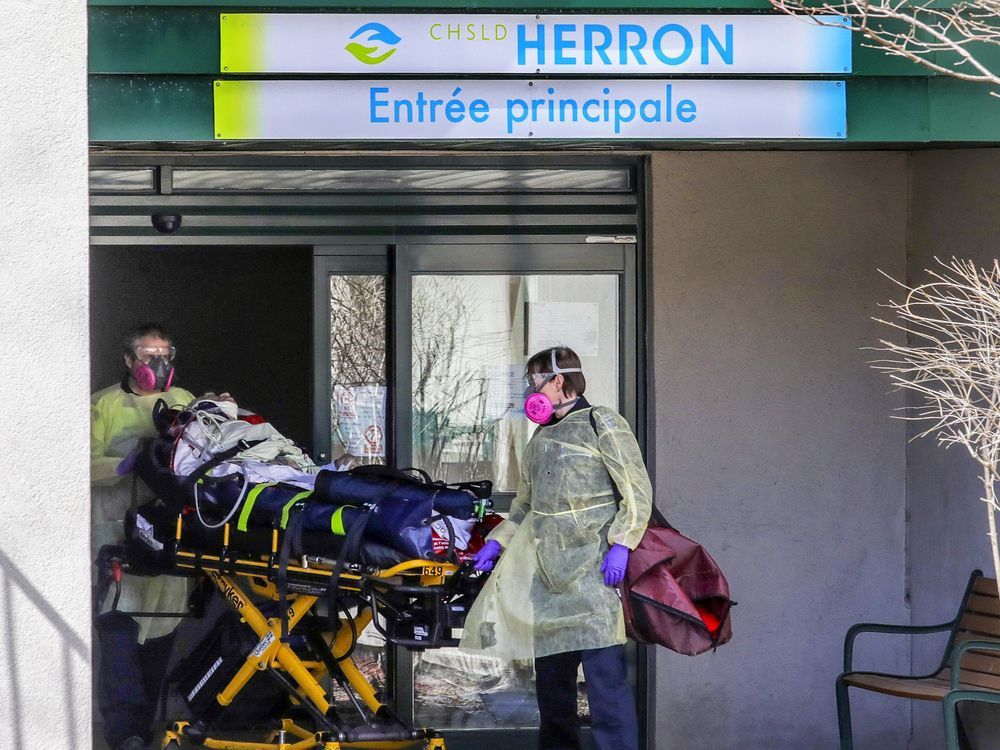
(433, 570)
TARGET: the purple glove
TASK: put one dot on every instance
(487, 556)
(614, 565)
(127, 464)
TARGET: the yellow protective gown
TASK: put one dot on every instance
(118, 420)
(546, 594)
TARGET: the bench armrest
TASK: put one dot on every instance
(960, 650)
(873, 627)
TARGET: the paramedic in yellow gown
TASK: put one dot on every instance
(134, 651)
(552, 596)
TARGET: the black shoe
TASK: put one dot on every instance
(133, 743)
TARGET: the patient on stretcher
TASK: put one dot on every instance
(234, 468)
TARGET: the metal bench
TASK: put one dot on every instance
(969, 668)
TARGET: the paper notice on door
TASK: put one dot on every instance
(361, 418)
(572, 324)
(504, 390)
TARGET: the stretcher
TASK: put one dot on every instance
(299, 599)
(303, 573)
(302, 619)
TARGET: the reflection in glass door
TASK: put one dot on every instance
(357, 369)
(470, 337)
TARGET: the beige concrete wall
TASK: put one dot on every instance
(774, 445)
(44, 378)
(955, 211)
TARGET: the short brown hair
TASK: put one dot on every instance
(131, 339)
(575, 382)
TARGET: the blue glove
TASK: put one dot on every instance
(614, 565)
(487, 556)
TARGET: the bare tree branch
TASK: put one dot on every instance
(950, 361)
(923, 32)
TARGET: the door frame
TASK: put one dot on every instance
(411, 256)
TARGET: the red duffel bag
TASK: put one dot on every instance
(674, 594)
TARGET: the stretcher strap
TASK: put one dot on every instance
(288, 506)
(449, 554)
(350, 550)
(248, 504)
(289, 545)
(337, 520)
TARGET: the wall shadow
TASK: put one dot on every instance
(73, 647)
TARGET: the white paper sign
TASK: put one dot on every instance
(596, 45)
(504, 390)
(361, 418)
(521, 109)
(572, 324)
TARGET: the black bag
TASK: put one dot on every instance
(210, 666)
(150, 539)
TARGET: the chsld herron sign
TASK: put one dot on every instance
(585, 83)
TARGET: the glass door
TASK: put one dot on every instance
(351, 376)
(470, 335)
(427, 345)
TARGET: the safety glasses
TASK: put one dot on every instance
(146, 353)
(536, 380)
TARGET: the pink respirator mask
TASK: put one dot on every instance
(157, 374)
(537, 406)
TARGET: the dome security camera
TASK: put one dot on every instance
(166, 223)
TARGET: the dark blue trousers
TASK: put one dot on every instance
(613, 720)
(129, 678)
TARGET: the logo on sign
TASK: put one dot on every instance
(373, 440)
(374, 35)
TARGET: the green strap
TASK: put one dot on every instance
(290, 503)
(337, 520)
(249, 503)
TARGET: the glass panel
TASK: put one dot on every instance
(471, 337)
(369, 656)
(357, 370)
(399, 180)
(122, 180)
(458, 690)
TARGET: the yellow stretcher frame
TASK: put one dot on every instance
(271, 653)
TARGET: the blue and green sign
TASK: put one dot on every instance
(644, 109)
(563, 44)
